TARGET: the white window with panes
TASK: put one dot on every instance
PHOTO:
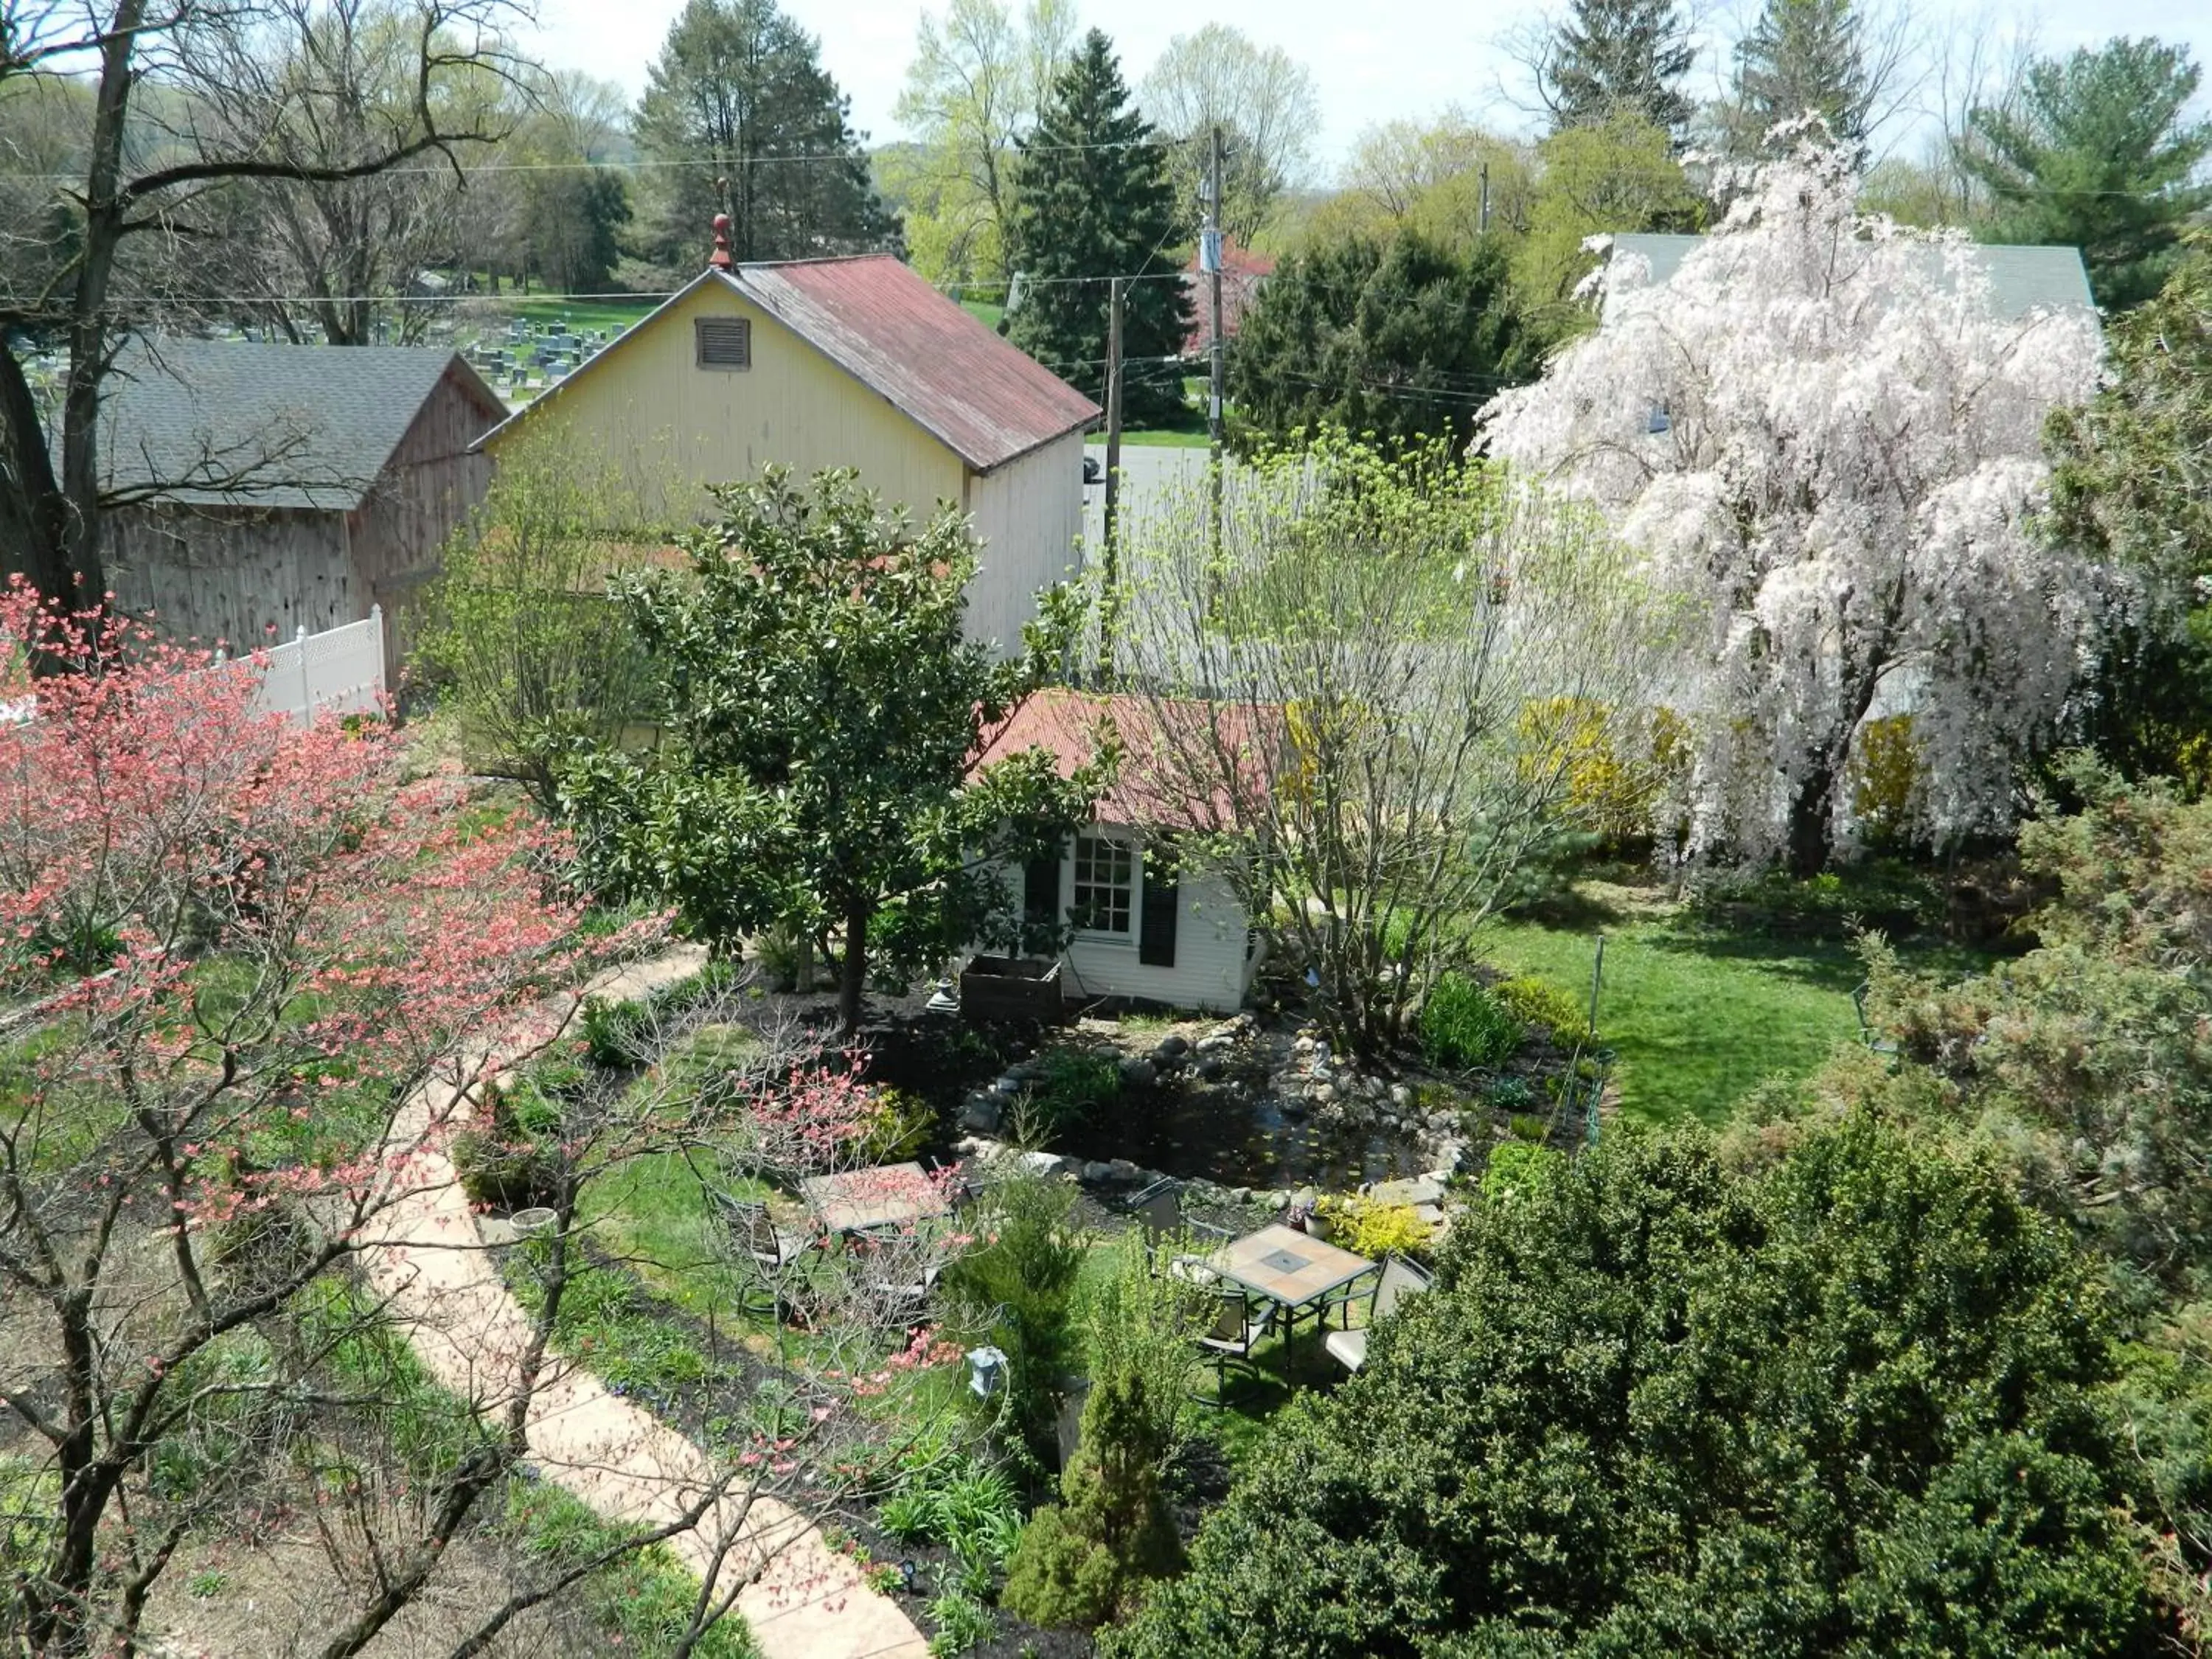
(1105, 885)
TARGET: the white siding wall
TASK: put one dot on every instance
(1029, 516)
(1210, 969)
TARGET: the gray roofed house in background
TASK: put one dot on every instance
(2021, 279)
(221, 423)
(256, 490)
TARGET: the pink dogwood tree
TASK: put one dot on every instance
(253, 977)
(1823, 435)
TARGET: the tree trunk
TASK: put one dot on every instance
(30, 514)
(855, 979)
(1812, 821)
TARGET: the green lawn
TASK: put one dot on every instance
(580, 314)
(1697, 1014)
(984, 312)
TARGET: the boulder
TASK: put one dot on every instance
(1305, 1199)
(1212, 1069)
(1171, 1047)
(1044, 1163)
(1417, 1191)
(1096, 1174)
(1120, 1168)
(1137, 1072)
(1429, 1215)
(1215, 1042)
(1277, 1200)
(980, 1113)
(1401, 1095)
(1240, 1194)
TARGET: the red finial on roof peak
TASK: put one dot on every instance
(719, 258)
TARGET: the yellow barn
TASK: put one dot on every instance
(854, 362)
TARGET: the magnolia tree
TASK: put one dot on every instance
(1369, 695)
(258, 981)
(1822, 436)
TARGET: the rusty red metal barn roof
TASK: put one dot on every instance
(988, 401)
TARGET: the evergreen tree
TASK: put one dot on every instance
(1092, 200)
(1404, 338)
(739, 93)
(1802, 55)
(2095, 156)
(1615, 55)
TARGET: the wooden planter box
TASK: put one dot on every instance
(1011, 987)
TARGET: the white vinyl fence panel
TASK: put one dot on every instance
(339, 671)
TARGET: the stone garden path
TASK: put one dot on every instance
(801, 1599)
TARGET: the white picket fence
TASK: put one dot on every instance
(339, 671)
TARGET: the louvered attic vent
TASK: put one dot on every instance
(724, 342)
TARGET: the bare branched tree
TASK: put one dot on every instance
(1261, 98)
(1375, 687)
(190, 99)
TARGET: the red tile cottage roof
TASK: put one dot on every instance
(1170, 776)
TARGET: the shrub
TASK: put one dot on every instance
(1137, 1322)
(515, 1161)
(1508, 1094)
(1464, 1026)
(1891, 1430)
(781, 953)
(1020, 1285)
(1367, 1228)
(962, 1622)
(1517, 1166)
(1538, 1002)
(616, 1033)
(1075, 1084)
(909, 1517)
(901, 1126)
(1883, 774)
(1078, 1562)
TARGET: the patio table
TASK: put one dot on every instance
(1287, 1268)
(862, 1201)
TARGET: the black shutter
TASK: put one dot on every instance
(1040, 892)
(1163, 900)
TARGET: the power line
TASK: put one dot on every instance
(640, 164)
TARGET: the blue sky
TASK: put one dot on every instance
(1373, 62)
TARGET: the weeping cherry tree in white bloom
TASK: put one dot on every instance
(1823, 438)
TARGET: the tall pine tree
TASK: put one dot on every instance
(1802, 55)
(739, 93)
(1091, 200)
(2095, 155)
(1612, 57)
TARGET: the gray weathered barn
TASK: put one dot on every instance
(260, 490)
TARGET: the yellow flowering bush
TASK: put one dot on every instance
(1885, 765)
(1616, 769)
(1373, 1229)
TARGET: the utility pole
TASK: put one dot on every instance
(1209, 259)
(1109, 600)
(1482, 201)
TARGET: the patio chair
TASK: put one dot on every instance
(774, 1253)
(900, 1292)
(1400, 1278)
(1159, 1207)
(1235, 1333)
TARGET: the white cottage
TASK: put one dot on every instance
(1144, 928)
